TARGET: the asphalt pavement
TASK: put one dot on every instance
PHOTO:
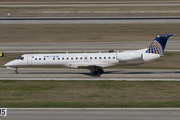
(87, 5)
(93, 114)
(89, 20)
(82, 74)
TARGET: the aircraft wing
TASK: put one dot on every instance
(88, 65)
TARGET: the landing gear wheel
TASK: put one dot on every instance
(101, 71)
(95, 72)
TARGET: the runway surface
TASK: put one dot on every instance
(93, 114)
(86, 5)
(172, 45)
(81, 74)
(89, 20)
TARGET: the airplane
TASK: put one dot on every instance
(95, 62)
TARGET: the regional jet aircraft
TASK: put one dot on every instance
(95, 62)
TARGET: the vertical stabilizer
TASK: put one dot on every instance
(159, 44)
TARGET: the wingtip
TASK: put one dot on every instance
(171, 34)
(166, 35)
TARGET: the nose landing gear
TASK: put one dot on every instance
(16, 72)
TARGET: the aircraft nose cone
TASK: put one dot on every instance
(13, 63)
(7, 64)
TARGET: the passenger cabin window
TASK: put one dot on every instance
(62, 58)
(85, 58)
(95, 57)
(35, 58)
(39, 58)
(90, 57)
(81, 58)
(113, 57)
(67, 58)
(109, 57)
(71, 58)
(104, 57)
(76, 58)
(99, 57)
(44, 58)
(58, 58)
(53, 58)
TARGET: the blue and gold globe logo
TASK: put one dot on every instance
(155, 47)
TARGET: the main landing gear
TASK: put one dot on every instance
(97, 71)
(16, 72)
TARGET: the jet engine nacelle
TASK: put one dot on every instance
(126, 56)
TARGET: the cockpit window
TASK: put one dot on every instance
(21, 58)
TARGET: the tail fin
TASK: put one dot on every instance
(159, 44)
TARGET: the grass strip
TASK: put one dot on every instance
(33, 33)
(89, 94)
(149, 104)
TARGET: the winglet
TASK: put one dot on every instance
(159, 44)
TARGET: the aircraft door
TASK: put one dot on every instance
(29, 60)
(85, 58)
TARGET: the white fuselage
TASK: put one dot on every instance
(83, 60)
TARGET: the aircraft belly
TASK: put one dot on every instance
(87, 65)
